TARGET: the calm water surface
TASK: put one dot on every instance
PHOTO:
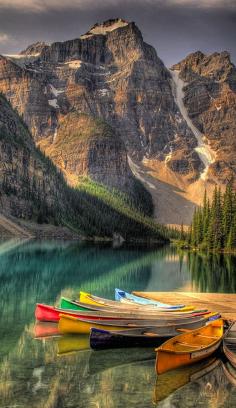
(61, 372)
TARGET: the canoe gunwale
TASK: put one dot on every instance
(115, 323)
(203, 348)
(165, 349)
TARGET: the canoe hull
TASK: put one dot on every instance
(230, 356)
(44, 313)
(121, 294)
(167, 361)
(189, 347)
(229, 344)
(78, 326)
(104, 339)
(72, 305)
(138, 337)
(71, 324)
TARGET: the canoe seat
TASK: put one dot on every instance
(182, 343)
(208, 337)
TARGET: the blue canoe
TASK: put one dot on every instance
(121, 294)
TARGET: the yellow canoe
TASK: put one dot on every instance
(190, 347)
(89, 299)
(71, 343)
(70, 324)
(178, 378)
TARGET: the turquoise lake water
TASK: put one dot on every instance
(63, 372)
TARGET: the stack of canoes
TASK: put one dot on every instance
(182, 333)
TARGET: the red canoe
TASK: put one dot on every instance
(46, 329)
(45, 313)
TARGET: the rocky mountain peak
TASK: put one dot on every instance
(104, 44)
(107, 26)
(216, 66)
(34, 49)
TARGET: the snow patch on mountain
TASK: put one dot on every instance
(74, 64)
(106, 27)
(169, 155)
(204, 151)
(22, 59)
(55, 91)
(137, 172)
(53, 103)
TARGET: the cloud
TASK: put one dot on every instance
(40, 6)
(4, 38)
(47, 5)
(204, 3)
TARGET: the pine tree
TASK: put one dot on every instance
(214, 224)
(227, 216)
(218, 238)
(215, 233)
(194, 229)
(231, 241)
(182, 235)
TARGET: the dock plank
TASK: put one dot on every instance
(225, 304)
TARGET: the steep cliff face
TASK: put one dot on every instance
(28, 181)
(102, 102)
(86, 146)
(108, 73)
(210, 99)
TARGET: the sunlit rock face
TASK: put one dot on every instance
(86, 146)
(111, 74)
(210, 99)
(108, 73)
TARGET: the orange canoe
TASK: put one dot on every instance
(190, 347)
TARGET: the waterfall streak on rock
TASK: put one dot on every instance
(204, 151)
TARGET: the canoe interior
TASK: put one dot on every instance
(122, 295)
(197, 339)
(97, 301)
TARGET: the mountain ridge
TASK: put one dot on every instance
(111, 74)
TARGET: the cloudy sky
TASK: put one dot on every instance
(174, 27)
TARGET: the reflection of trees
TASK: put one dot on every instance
(40, 271)
(33, 375)
(37, 272)
(213, 272)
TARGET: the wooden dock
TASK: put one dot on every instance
(225, 304)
